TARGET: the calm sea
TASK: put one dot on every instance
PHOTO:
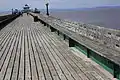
(4, 13)
(105, 17)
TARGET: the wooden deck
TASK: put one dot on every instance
(29, 51)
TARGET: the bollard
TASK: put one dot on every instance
(71, 42)
(36, 19)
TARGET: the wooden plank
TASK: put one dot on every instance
(13, 58)
(17, 61)
(21, 68)
(64, 50)
(33, 66)
(44, 63)
(5, 42)
(82, 67)
(37, 54)
(28, 75)
(6, 35)
(31, 52)
(4, 51)
(8, 58)
(56, 65)
(66, 72)
(86, 67)
(7, 30)
(74, 66)
(36, 58)
(50, 64)
(73, 73)
(4, 39)
(92, 70)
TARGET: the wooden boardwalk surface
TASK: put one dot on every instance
(29, 51)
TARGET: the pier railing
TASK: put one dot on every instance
(98, 43)
(4, 20)
(107, 37)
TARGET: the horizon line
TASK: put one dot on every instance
(71, 8)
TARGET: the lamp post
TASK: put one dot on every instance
(12, 11)
(47, 4)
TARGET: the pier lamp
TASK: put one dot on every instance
(12, 11)
(47, 4)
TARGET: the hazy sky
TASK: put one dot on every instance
(61, 4)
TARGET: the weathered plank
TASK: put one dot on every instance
(13, 58)
(29, 51)
(8, 58)
(15, 73)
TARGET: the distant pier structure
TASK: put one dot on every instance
(26, 8)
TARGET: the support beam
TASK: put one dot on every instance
(88, 53)
(71, 42)
(116, 71)
(64, 36)
(52, 29)
(47, 25)
(36, 19)
(58, 32)
(41, 21)
(44, 23)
